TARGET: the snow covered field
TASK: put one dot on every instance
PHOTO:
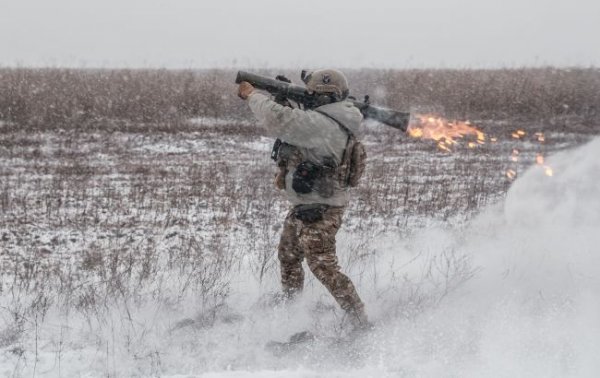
(153, 254)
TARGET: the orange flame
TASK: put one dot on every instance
(518, 134)
(443, 131)
(539, 159)
(515, 155)
(540, 137)
(447, 133)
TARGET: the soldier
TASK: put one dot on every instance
(319, 159)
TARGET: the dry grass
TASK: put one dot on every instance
(138, 100)
(109, 195)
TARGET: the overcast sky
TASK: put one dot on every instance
(299, 33)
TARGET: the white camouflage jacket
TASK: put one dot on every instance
(315, 134)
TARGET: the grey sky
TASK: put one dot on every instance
(259, 33)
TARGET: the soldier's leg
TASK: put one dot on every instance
(318, 242)
(290, 257)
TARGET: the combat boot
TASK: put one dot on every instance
(278, 299)
(359, 320)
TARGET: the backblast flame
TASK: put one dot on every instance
(443, 131)
(447, 133)
(539, 159)
(540, 137)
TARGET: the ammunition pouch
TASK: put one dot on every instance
(280, 178)
(304, 177)
(310, 177)
(281, 151)
(310, 213)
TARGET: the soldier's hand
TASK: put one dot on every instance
(245, 89)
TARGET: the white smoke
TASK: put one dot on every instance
(532, 309)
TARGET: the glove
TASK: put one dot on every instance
(245, 89)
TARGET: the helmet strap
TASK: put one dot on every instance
(320, 99)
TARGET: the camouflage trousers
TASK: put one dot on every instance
(315, 241)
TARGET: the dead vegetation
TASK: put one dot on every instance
(139, 100)
(109, 195)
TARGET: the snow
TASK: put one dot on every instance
(511, 293)
(218, 122)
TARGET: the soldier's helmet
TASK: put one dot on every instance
(328, 81)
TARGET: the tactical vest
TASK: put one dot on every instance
(312, 177)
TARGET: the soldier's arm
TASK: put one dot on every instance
(295, 126)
